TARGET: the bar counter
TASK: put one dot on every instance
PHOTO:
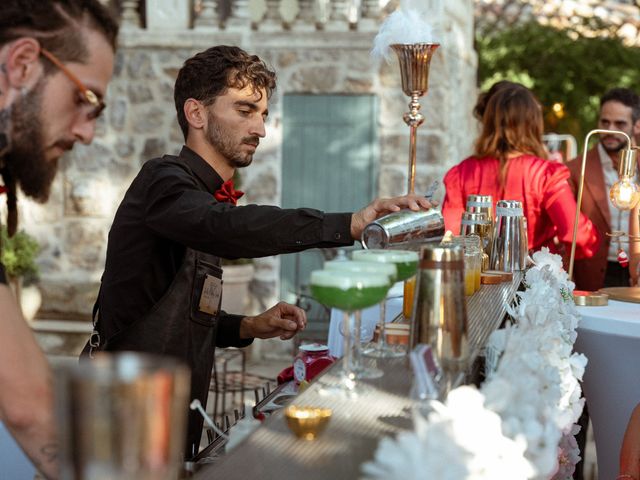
(382, 407)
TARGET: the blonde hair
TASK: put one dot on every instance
(511, 123)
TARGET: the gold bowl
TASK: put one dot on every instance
(307, 422)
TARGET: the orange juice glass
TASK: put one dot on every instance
(407, 302)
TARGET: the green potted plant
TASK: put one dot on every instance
(18, 255)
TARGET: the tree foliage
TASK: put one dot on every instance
(560, 66)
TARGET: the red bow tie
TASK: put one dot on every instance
(226, 193)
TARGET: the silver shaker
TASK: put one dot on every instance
(510, 242)
(404, 229)
(440, 309)
(480, 204)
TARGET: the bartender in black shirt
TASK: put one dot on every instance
(161, 287)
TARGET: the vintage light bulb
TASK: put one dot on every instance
(624, 194)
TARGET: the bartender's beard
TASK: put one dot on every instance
(224, 142)
(25, 158)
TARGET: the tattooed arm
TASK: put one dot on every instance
(26, 396)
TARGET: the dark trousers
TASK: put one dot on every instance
(615, 276)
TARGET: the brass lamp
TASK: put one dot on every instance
(624, 195)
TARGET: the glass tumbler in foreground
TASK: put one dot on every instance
(406, 262)
(349, 292)
(122, 416)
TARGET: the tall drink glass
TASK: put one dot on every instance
(349, 292)
(406, 262)
(388, 269)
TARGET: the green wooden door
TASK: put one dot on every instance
(329, 162)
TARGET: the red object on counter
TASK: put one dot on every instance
(312, 359)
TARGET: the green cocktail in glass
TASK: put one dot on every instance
(388, 269)
(348, 291)
(406, 262)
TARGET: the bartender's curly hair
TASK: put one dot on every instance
(209, 74)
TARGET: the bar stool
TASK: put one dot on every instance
(230, 381)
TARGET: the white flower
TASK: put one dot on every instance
(513, 426)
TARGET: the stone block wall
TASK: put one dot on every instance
(139, 124)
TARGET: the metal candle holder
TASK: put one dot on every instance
(415, 59)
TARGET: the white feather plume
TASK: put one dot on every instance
(409, 24)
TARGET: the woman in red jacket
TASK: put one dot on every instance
(510, 163)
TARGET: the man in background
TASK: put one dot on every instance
(619, 110)
(56, 59)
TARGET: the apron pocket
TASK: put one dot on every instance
(206, 295)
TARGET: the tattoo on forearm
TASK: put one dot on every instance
(48, 454)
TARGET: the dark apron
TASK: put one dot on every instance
(177, 327)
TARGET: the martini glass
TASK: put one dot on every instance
(387, 269)
(406, 262)
(349, 292)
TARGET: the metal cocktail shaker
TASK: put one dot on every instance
(478, 224)
(440, 309)
(480, 204)
(510, 243)
(403, 229)
(122, 416)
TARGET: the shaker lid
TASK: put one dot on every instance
(509, 208)
(479, 201)
(443, 254)
(313, 347)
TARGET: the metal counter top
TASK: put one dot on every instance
(381, 407)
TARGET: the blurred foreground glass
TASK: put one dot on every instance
(122, 416)
(440, 309)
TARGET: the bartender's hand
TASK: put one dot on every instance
(383, 206)
(630, 451)
(282, 320)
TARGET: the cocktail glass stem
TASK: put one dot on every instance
(357, 344)
(348, 360)
(382, 340)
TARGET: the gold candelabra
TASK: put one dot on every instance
(415, 59)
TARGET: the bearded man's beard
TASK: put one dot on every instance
(26, 159)
(223, 142)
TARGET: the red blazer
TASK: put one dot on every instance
(540, 185)
(589, 273)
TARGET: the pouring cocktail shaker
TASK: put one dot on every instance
(404, 228)
(510, 242)
(440, 309)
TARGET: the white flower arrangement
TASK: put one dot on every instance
(520, 424)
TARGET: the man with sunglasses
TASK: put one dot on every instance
(56, 59)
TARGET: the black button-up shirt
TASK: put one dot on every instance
(170, 206)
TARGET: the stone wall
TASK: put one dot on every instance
(140, 124)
